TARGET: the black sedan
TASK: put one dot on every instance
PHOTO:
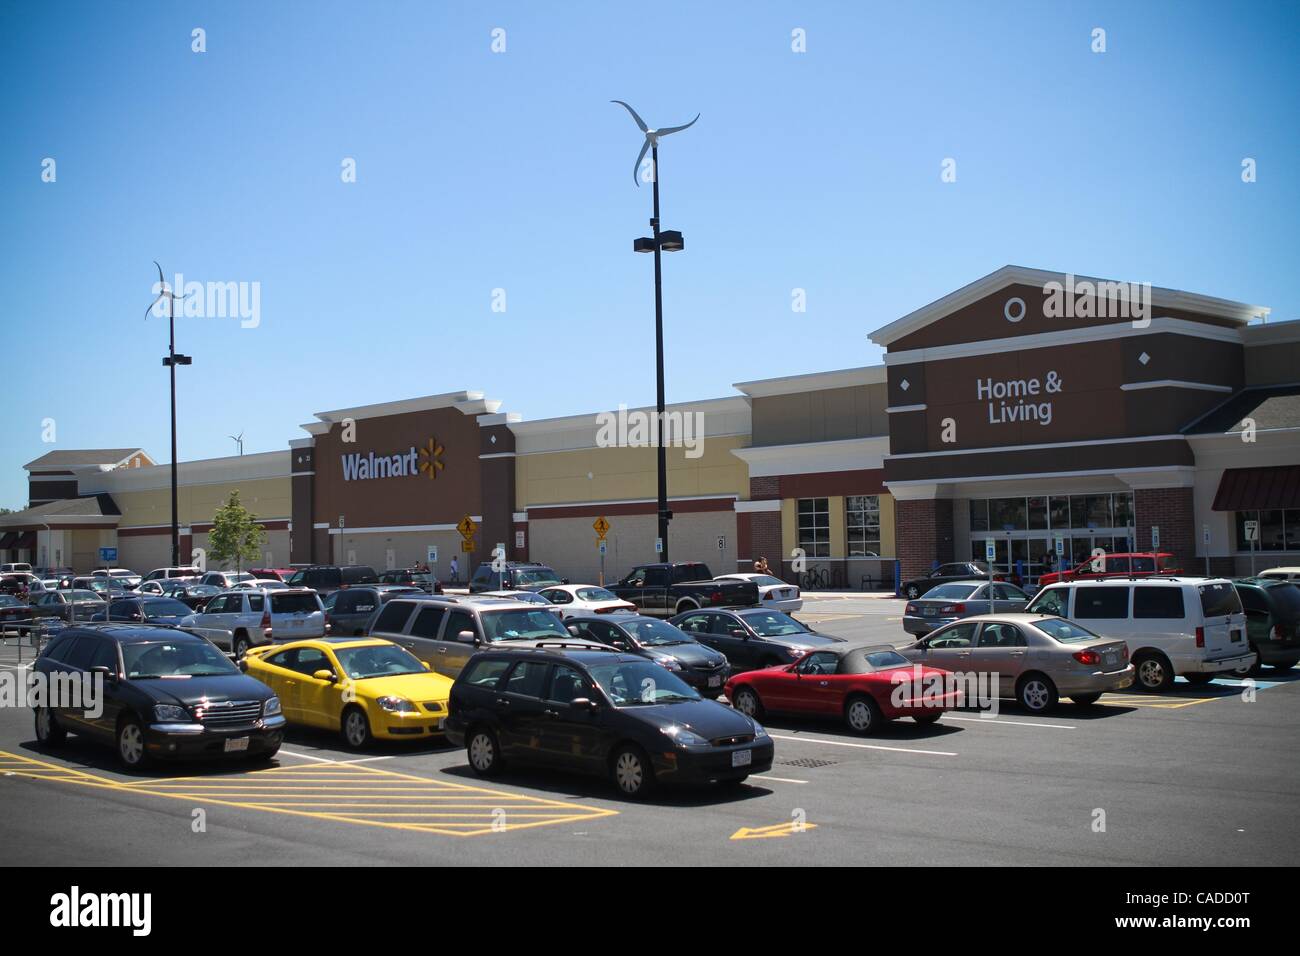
(13, 612)
(165, 694)
(702, 667)
(752, 637)
(68, 605)
(946, 574)
(599, 712)
(145, 610)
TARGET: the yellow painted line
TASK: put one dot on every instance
(1154, 703)
(368, 796)
(788, 828)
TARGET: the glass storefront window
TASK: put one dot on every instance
(979, 515)
(1275, 531)
(1008, 514)
(1059, 512)
(1123, 507)
(1291, 523)
(815, 527)
(862, 524)
(1038, 514)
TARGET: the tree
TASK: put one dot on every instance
(236, 536)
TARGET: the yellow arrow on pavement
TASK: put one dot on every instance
(775, 830)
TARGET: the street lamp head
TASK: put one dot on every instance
(670, 240)
(644, 244)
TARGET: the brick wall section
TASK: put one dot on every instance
(1170, 510)
(764, 488)
(923, 535)
(765, 538)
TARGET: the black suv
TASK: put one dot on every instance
(325, 578)
(1272, 622)
(517, 576)
(598, 712)
(166, 693)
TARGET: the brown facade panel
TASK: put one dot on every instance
(1173, 512)
(49, 490)
(1044, 461)
(1272, 364)
(765, 487)
(303, 512)
(765, 541)
(923, 534)
(865, 481)
(631, 508)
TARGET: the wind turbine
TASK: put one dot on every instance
(171, 360)
(666, 241)
(239, 440)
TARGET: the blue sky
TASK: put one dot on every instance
(478, 171)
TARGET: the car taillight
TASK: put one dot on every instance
(266, 622)
(1124, 652)
(1200, 637)
(716, 597)
(1087, 657)
(953, 609)
(910, 609)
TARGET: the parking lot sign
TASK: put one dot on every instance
(1058, 544)
(1251, 529)
(431, 554)
(601, 526)
(1155, 537)
(107, 554)
(467, 527)
(990, 550)
(603, 547)
(467, 545)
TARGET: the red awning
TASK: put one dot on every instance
(1251, 489)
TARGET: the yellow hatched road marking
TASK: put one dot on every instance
(344, 793)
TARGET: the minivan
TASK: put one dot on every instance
(326, 578)
(1272, 621)
(1193, 627)
(447, 632)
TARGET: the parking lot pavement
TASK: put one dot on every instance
(1200, 776)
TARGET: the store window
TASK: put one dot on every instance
(1008, 514)
(1279, 530)
(862, 520)
(815, 527)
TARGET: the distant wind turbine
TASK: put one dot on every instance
(651, 137)
(238, 439)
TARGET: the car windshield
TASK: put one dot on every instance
(773, 624)
(536, 576)
(1067, 632)
(380, 660)
(165, 607)
(652, 633)
(636, 683)
(595, 594)
(175, 659)
(950, 592)
(765, 580)
(522, 625)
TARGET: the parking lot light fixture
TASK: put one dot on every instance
(171, 360)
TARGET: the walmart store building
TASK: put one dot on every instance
(996, 413)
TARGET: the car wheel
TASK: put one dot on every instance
(747, 703)
(1153, 672)
(130, 744)
(1085, 700)
(241, 645)
(48, 731)
(926, 718)
(1036, 693)
(1284, 665)
(733, 783)
(484, 754)
(263, 756)
(913, 592)
(356, 728)
(863, 714)
(631, 771)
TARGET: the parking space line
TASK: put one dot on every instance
(342, 792)
(847, 743)
(1010, 723)
(776, 779)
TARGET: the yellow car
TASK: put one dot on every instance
(363, 687)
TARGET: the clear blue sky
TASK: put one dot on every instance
(479, 170)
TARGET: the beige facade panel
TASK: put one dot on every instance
(276, 545)
(268, 498)
(826, 415)
(629, 474)
(144, 552)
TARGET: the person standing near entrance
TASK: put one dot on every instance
(455, 570)
(760, 566)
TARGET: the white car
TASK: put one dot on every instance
(238, 620)
(1280, 574)
(122, 576)
(158, 574)
(259, 584)
(1193, 627)
(772, 591)
(226, 579)
(572, 600)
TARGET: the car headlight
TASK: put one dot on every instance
(271, 707)
(685, 738)
(758, 728)
(396, 705)
(172, 713)
(672, 663)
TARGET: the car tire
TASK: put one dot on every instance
(48, 731)
(1200, 680)
(747, 703)
(631, 772)
(733, 783)
(926, 718)
(1152, 672)
(130, 744)
(863, 714)
(912, 592)
(264, 756)
(1284, 665)
(355, 728)
(240, 645)
(484, 752)
(1085, 700)
(1036, 693)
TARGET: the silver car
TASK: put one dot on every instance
(1036, 658)
(950, 602)
(238, 620)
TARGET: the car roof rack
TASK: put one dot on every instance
(570, 645)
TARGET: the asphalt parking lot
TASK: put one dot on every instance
(1197, 777)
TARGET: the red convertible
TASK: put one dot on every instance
(864, 685)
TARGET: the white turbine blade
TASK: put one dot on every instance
(639, 121)
(636, 178)
(677, 129)
(151, 306)
(160, 275)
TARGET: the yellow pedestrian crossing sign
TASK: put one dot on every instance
(601, 526)
(467, 527)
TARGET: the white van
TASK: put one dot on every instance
(1173, 625)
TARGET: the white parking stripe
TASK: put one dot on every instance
(845, 743)
(776, 779)
(1014, 723)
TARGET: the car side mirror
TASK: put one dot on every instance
(737, 632)
(109, 675)
(586, 702)
(324, 674)
(467, 637)
(242, 664)
(573, 629)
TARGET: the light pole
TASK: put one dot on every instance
(660, 241)
(171, 360)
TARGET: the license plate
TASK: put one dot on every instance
(928, 612)
(1235, 636)
(1112, 659)
(236, 744)
(742, 758)
(715, 680)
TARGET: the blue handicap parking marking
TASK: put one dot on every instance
(1234, 682)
